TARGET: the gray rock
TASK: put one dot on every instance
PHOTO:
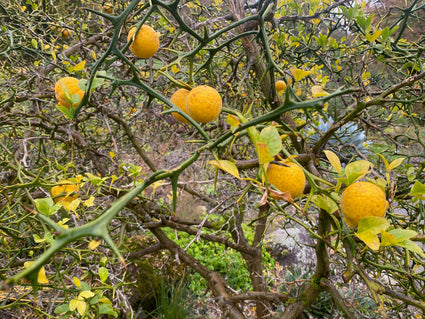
(292, 248)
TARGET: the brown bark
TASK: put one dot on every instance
(313, 288)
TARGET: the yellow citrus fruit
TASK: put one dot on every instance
(65, 88)
(203, 104)
(64, 193)
(280, 85)
(362, 199)
(145, 43)
(287, 177)
(179, 99)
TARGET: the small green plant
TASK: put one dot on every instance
(88, 302)
(172, 300)
(218, 258)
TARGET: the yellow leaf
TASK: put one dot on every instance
(76, 180)
(41, 277)
(318, 91)
(80, 66)
(73, 304)
(374, 36)
(370, 239)
(112, 154)
(94, 244)
(71, 206)
(105, 300)
(81, 307)
(263, 153)
(396, 163)
(334, 160)
(233, 121)
(299, 74)
(226, 166)
(387, 239)
(63, 222)
(387, 166)
(89, 202)
(175, 69)
(85, 294)
(76, 282)
(37, 239)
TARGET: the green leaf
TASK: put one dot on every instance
(96, 299)
(96, 180)
(226, 166)
(334, 160)
(373, 224)
(263, 153)
(418, 190)
(103, 274)
(410, 245)
(97, 82)
(386, 33)
(370, 239)
(270, 136)
(356, 170)
(106, 309)
(34, 43)
(43, 205)
(350, 13)
(325, 202)
(76, 99)
(46, 206)
(61, 308)
(365, 23)
(69, 113)
(402, 234)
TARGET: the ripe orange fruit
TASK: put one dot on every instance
(203, 104)
(145, 42)
(64, 193)
(286, 177)
(66, 90)
(280, 86)
(362, 199)
(179, 99)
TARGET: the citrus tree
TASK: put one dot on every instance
(153, 145)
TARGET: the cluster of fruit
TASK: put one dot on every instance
(203, 104)
(144, 45)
